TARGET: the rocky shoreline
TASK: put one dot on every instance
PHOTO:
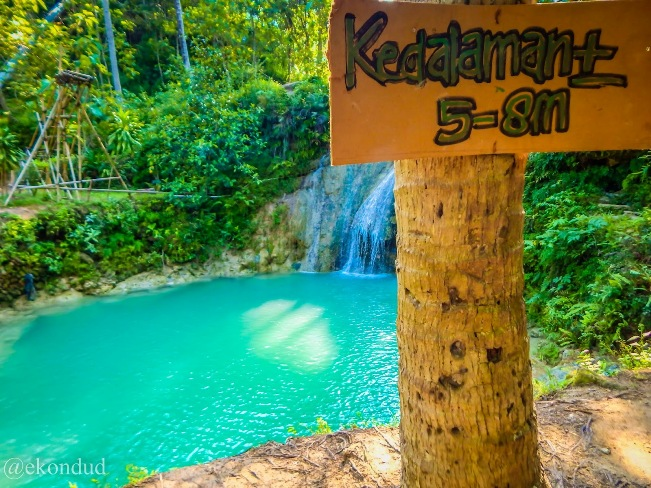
(274, 248)
(230, 265)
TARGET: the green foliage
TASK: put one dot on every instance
(322, 427)
(221, 150)
(124, 133)
(586, 361)
(548, 385)
(10, 153)
(588, 247)
(359, 422)
(278, 215)
(637, 184)
(228, 151)
(549, 352)
(115, 238)
(636, 355)
(233, 41)
(222, 141)
(136, 474)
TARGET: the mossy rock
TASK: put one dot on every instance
(583, 376)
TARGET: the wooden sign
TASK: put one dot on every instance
(415, 80)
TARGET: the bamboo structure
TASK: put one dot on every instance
(62, 150)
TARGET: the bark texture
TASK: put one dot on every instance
(180, 32)
(466, 396)
(110, 41)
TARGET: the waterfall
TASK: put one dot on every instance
(329, 208)
(368, 234)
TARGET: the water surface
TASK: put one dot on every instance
(196, 372)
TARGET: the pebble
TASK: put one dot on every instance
(604, 450)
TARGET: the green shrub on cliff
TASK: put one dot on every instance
(588, 246)
(118, 238)
(220, 151)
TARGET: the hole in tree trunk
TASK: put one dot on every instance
(455, 299)
(410, 296)
(453, 381)
(458, 349)
(494, 355)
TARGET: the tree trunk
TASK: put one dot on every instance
(180, 32)
(466, 396)
(110, 40)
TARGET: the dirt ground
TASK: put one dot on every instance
(590, 436)
(22, 212)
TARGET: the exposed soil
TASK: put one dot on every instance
(23, 212)
(590, 436)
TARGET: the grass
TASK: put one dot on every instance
(359, 422)
(28, 199)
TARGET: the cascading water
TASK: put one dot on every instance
(366, 243)
(322, 211)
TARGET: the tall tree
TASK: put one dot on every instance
(180, 33)
(110, 40)
(466, 399)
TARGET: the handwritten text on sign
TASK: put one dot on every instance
(412, 80)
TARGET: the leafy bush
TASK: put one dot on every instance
(588, 247)
(117, 238)
(221, 151)
(635, 357)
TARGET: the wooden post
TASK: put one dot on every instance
(61, 171)
(466, 396)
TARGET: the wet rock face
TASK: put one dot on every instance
(321, 215)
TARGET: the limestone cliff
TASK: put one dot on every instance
(311, 229)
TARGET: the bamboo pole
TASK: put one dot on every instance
(59, 173)
(39, 141)
(57, 165)
(89, 180)
(40, 177)
(70, 166)
(106, 153)
(79, 154)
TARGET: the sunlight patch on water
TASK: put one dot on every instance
(297, 337)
